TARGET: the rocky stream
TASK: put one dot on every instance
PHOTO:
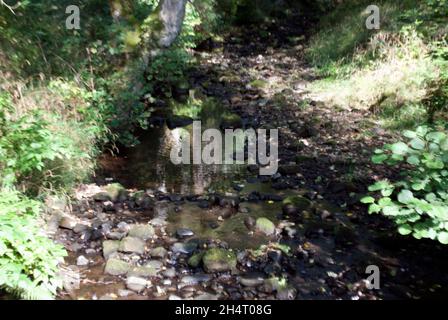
(149, 229)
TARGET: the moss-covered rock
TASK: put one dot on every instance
(142, 199)
(143, 271)
(116, 192)
(195, 260)
(101, 196)
(116, 267)
(219, 260)
(265, 225)
(110, 247)
(300, 203)
(159, 252)
(141, 231)
(132, 245)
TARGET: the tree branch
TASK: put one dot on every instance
(9, 7)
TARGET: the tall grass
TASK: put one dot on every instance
(389, 71)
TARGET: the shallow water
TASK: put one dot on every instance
(148, 165)
(231, 230)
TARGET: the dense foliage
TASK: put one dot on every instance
(418, 203)
(28, 259)
(91, 83)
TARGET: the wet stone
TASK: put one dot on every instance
(132, 245)
(143, 271)
(136, 284)
(169, 273)
(167, 282)
(141, 231)
(219, 260)
(252, 279)
(241, 256)
(156, 264)
(203, 204)
(82, 261)
(109, 248)
(67, 222)
(207, 296)
(144, 201)
(249, 222)
(109, 206)
(95, 234)
(79, 228)
(106, 227)
(123, 227)
(311, 195)
(265, 226)
(229, 202)
(116, 267)
(116, 192)
(291, 232)
(158, 222)
(325, 214)
(101, 196)
(180, 247)
(286, 294)
(159, 252)
(90, 251)
(71, 278)
(115, 235)
(184, 232)
(195, 279)
(176, 197)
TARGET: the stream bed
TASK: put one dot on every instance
(149, 229)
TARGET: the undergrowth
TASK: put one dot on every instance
(394, 71)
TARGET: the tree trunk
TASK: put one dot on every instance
(171, 14)
(162, 27)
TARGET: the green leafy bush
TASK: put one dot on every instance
(36, 153)
(418, 203)
(28, 259)
(167, 71)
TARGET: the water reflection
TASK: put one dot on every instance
(149, 166)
